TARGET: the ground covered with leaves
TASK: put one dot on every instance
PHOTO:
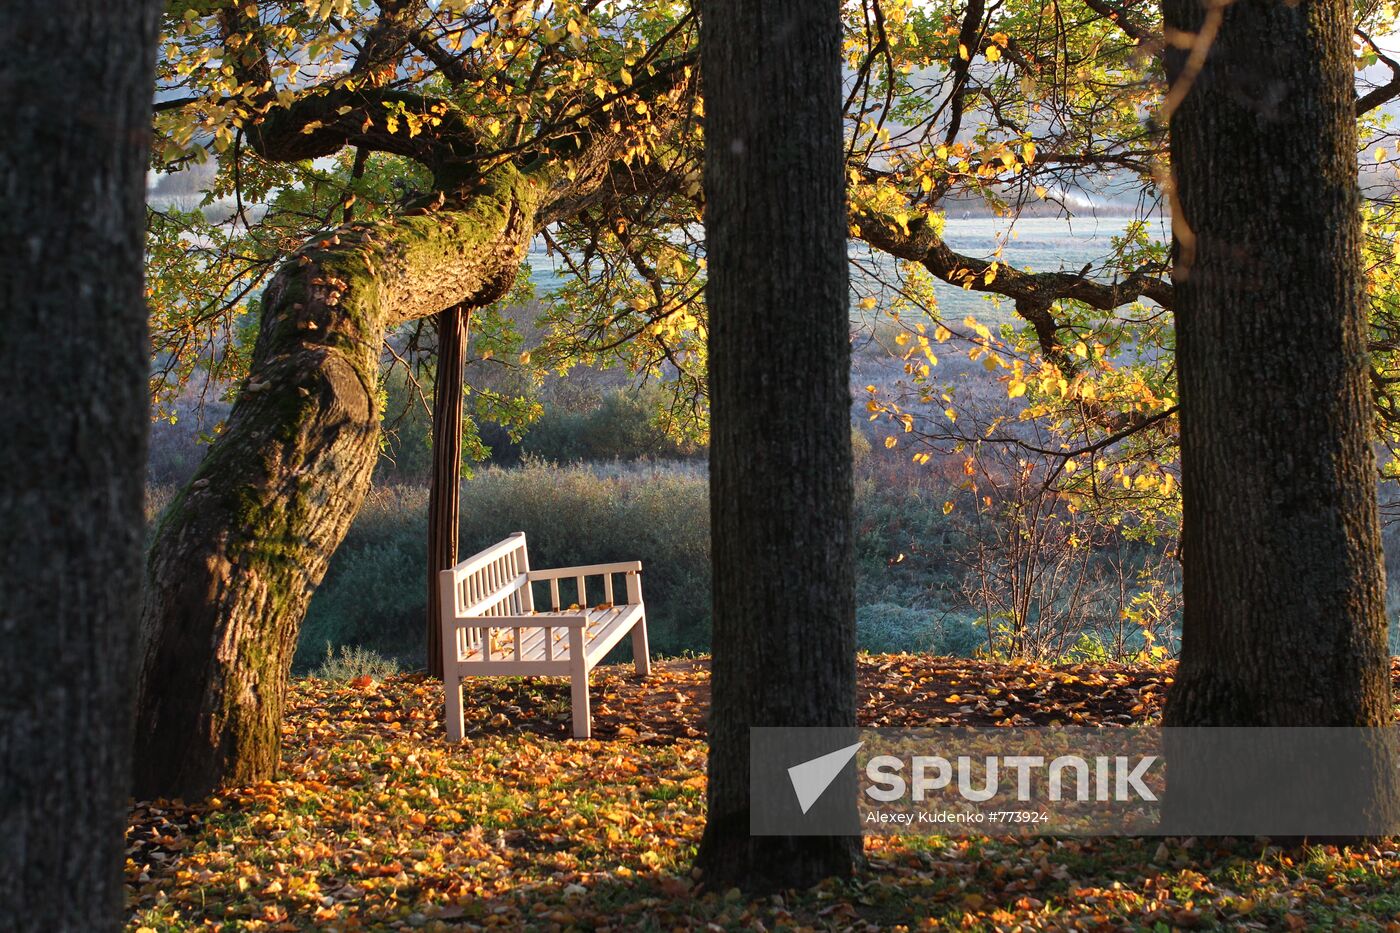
(375, 822)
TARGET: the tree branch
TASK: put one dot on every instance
(1029, 289)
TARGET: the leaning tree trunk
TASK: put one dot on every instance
(239, 551)
(780, 455)
(445, 491)
(1283, 580)
(74, 359)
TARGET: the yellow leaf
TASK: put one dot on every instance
(947, 507)
(890, 441)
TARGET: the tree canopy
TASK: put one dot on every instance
(376, 163)
(321, 112)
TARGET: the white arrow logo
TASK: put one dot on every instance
(810, 779)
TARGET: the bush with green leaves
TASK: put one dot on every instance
(622, 426)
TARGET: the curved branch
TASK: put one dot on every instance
(1033, 292)
(322, 122)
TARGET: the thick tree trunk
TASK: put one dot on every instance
(75, 92)
(780, 455)
(240, 550)
(1284, 585)
(445, 492)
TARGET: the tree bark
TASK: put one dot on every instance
(239, 551)
(75, 92)
(780, 455)
(445, 491)
(1283, 580)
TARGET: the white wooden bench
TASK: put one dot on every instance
(490, 627)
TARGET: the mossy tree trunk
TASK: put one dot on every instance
(780, 456)
(239, 551)
(74, 419)
(1283, 578)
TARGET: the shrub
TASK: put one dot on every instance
(886, 628)
(374, 596)
(354, 662)
(375, 590)
(622, 426)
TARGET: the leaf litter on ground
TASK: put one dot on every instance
(375, 822)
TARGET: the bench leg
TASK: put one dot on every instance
(641, 655)
(453, 683)
(583, 719)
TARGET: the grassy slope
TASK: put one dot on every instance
(375, 823)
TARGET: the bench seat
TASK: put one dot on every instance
(603, 630)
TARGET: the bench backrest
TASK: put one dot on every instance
(493, 582)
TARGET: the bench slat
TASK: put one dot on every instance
(495, 599)
(614, 625)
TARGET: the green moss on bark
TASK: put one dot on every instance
(239, 550)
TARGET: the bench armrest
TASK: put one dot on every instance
(588, 570)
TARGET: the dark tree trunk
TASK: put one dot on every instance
(75, 97)
(240, 550)
(780, 455)
(1284, 584)
(445, 492)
